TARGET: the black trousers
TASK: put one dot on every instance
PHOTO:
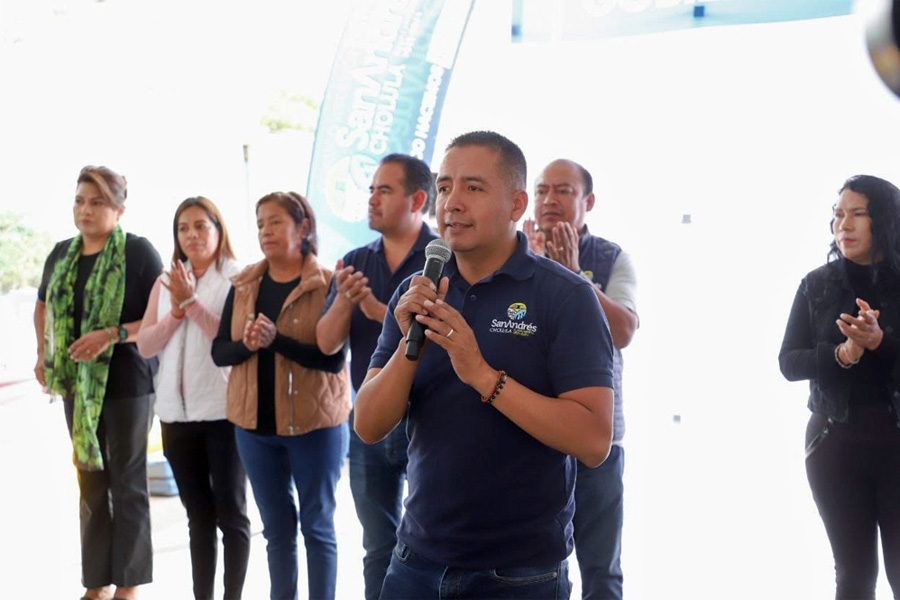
(213, 488)
(854, 474)
(115, 503)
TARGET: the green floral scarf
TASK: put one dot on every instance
(85, 382)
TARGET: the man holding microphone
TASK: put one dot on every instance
(507, 390)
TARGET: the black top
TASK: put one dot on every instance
(130, 374)
(811, 336)
(869, 377)
(226, 351)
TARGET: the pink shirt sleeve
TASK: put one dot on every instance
(155, 334)
(207, 320)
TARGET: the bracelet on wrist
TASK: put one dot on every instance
(501, 381)
(837, 358)
(184, 304)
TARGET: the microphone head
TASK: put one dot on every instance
(438, 249)
(882, 22)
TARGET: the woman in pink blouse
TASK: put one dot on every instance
(181, 321)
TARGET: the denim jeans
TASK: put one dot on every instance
(411, 576)
(311, 465)
(598, 526)
(377, 475)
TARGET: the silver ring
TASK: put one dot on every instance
(449, 333)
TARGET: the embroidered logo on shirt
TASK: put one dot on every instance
(516, 311)
(515, 323)
(589, 275)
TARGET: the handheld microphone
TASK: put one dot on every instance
(437, 252)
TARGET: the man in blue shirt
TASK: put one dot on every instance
(363, 282)
(516, 376)
(563, 196)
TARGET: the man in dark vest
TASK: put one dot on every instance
(563, 196)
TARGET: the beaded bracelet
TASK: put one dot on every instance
(501, 381)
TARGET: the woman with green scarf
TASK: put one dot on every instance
(90, 305)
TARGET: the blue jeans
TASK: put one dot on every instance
(598, 526)
(411, 576)
(311, 464)
(377, 474)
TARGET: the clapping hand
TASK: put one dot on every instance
(181, 286)
(537, 240)
(563, 247)
(863, 331)
(259, 332)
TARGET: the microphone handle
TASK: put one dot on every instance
(415, 337)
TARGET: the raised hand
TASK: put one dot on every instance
(537, 241)
(260, 332)
(862, 330)
(352, 285)
(181, 286)
(563, 247)
(412, 303)
(448, 329)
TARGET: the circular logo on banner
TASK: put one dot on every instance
(347, 186)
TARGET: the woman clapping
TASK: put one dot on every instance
(843, 335)
(181, 321)
(289, 401)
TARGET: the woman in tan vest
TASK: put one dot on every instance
(289, 401)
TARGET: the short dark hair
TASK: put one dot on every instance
(417, 176)
(512, 160)
(884, 214)
(299, 208)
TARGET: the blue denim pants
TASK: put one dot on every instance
(411, 576)
(377, 475)
(599, 512)
(311, 465)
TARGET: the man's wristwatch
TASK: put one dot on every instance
(123, 334)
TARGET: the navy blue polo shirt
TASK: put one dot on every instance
(482, 492)
(370, 259)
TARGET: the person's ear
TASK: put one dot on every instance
(520, 205)
(419, 199)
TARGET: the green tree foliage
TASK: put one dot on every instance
(22, 253)
(291, 112)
